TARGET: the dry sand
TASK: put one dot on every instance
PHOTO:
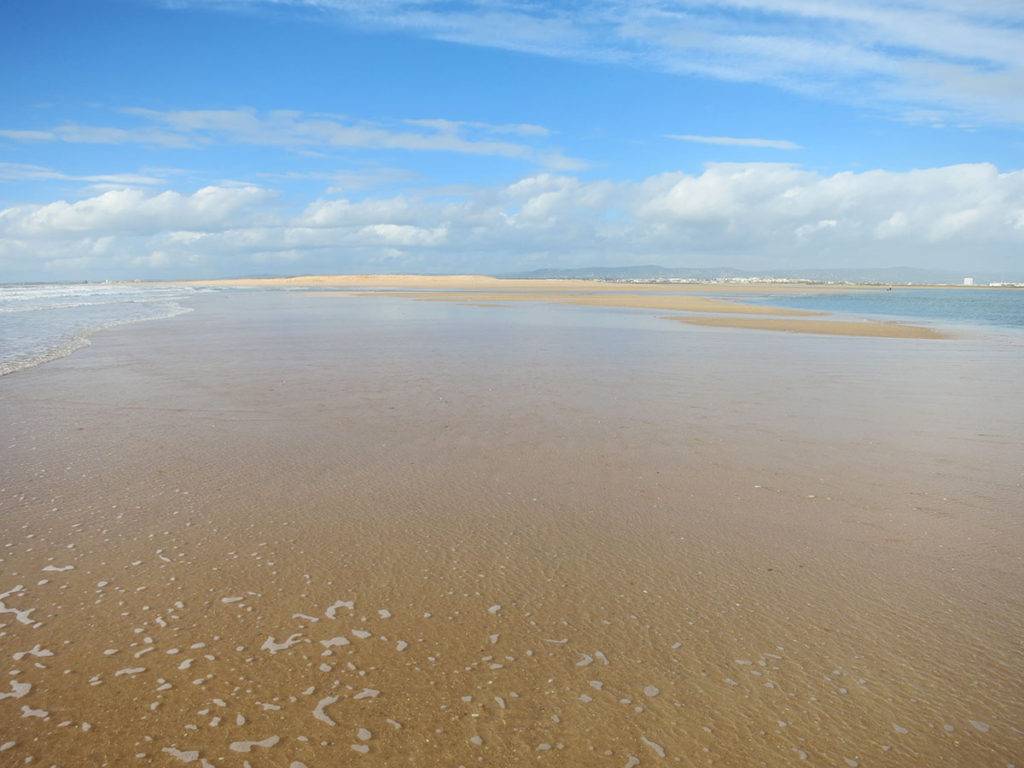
(287, 532)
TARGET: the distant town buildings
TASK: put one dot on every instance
(968, 281)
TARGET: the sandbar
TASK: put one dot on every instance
(822, 327)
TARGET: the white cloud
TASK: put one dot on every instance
(134, 212)
(26, 172)
(733, 141)
(27, 135)
(404, 234)
(943, 57)
(755, 216)
(299, 131)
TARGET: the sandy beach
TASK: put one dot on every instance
(281, 530)
(511, 384)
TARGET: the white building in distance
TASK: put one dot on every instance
(968, 281)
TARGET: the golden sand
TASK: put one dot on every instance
(824, 327)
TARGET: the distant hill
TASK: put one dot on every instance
(894, 275)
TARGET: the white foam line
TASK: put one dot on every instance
(68, 346)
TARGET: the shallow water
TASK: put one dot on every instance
(43, 321)
(500, 536)
(958, 306)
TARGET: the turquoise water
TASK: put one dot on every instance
(954, 306)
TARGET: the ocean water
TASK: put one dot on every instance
(1003, 307)
(44, 321)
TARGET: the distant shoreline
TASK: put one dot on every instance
(451, 280)
(662, 296)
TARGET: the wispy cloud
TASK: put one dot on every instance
(348, 180)
(26, 172)
(300, 131)
(73, 133)
(27, 135)
(962, 59)
(733, 141)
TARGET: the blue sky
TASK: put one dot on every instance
(157, 139)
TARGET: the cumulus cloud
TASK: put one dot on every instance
(947, 59)
(133, 211)
(756, 216)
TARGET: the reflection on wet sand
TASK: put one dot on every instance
(285, 532)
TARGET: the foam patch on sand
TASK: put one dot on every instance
(332, 609)
(22, 616)
(17, 690)
(186, 756)
(320, 711)
(36, 650)
(273, 646)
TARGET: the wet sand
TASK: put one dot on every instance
(378, 532)
(826, 327)
(622, 300)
